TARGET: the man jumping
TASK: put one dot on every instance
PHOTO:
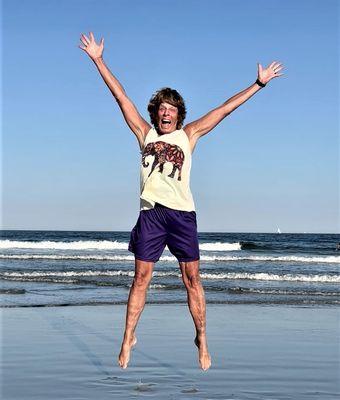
(167, 214)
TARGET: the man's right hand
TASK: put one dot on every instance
(90, 46)
(134, 120)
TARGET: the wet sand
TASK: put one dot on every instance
(258, 352)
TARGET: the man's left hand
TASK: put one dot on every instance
(264, 75)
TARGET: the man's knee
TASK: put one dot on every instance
(142, 279)
(143, 273)
(192, 281)
(190, 275)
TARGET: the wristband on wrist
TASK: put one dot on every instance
(260, 83)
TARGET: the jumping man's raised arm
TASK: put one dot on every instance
(136, 122)
(205, 124)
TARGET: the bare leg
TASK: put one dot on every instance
(135, 306)
(196, 302)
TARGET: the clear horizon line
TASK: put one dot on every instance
(128, 231)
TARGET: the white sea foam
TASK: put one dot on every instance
(76, 245)
(100, 245)
(65, 257)
(94, 257)
(219, 246)
(282, 291)
(303, 259)
(261, 276)
(157, 286)
(37, 274)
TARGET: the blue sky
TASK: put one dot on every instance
(70, 162)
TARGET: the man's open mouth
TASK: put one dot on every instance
(166, 122)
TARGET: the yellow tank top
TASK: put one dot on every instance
(165, 171)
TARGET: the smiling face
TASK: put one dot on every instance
(167, 118)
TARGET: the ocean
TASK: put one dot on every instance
(58, 268)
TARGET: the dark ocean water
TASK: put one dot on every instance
(51, 268)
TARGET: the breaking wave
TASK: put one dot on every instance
(100, 245)
(260, 276)
(94, 257)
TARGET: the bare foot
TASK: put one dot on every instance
(203, 354)
(124, 356)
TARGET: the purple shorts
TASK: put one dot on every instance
(163, 226)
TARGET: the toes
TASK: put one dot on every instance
(205, 362)
(123, 363)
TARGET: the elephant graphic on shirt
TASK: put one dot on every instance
(164, 152)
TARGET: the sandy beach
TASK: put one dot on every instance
(258, 352)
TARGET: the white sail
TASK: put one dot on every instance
(278, 230)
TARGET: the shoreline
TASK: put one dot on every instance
(175, 302)
(266, 352)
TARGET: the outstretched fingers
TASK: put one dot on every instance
(277, 68)
(90, 40)
(272, 64)
(84, 39)
(89, 45)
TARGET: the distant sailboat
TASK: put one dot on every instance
(278, 230)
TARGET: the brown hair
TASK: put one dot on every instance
(167, 95)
